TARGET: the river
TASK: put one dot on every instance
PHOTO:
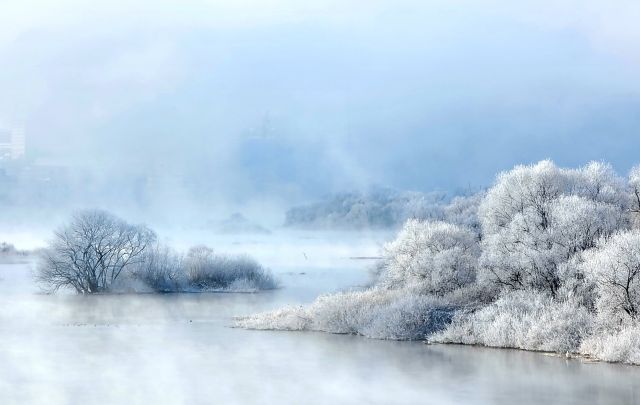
(179, 348)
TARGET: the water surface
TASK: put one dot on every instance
(179, 348)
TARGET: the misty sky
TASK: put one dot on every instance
(306, 97)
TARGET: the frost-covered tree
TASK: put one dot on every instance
(536, 218)
(432, 257)
(597, 181)
(634, 195)
(463, 210)
(92, 251)
(614, 267)
(534, 186)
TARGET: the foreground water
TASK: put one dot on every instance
(180, 349)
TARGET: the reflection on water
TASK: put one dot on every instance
(179, 349)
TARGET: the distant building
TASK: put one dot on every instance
(12, 143)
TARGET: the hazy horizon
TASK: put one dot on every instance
(216, 104)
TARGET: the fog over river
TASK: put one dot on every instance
(180, 348)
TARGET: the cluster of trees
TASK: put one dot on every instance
(201, 269)
(547, 259)
(380, 208)
(7, 249)
(97, 252)
(9, 253)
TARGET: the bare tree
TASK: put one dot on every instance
(92, 251)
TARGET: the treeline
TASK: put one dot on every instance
(97, 252)
(9, 253)
(7, 249)
(379, 208)
(547, 259)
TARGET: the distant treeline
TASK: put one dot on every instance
(380, 208)
(8, 252)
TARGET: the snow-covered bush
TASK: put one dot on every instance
(164, 270)
(524, 320)
(431, 257)
(412, 317)
(205, 270)
(161, 270)
(288, 318)
(374, 313)
(620, 345)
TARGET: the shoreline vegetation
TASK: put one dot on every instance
(379, 209)
(98, 253)
(547, 259)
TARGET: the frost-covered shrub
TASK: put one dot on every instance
(288, 318)
(523, 320)
(472, 296)
(348, 312)
(431, 257)
(163, 270)
(614, 268)
(409, 318)
(206, 270)
(622, 345)
(374, 313)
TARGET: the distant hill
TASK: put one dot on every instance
(238, 223)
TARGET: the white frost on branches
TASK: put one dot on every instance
(547, 259)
